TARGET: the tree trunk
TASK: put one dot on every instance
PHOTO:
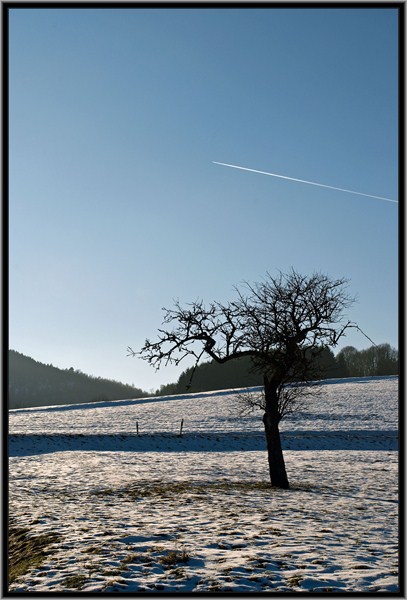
(271, 418)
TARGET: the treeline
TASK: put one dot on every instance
(349, 362)
(32, 383)
(374, 361)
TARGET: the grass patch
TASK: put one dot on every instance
(131, 558)
(173, 557)
(178, 573)
(295, 580)
(156, 549)
(214, 586)
(93, 550)
(136, 558)
(148, 489)
(75, 581)
(113, 572)
(26, 552)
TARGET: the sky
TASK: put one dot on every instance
(116, 208)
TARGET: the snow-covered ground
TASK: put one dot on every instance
(161, 512)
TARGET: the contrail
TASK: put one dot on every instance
(331, 187)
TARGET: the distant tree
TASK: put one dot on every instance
(342, 366)
(368, 361)
(377, 360)
(167, 389)
(326, 364)
(349, 357)
(387, 360)
(282, 324)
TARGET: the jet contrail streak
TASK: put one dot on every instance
(331, 187)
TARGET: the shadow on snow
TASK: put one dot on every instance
(42, 443)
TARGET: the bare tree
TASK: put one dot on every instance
(282, 323)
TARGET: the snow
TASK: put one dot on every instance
(121, 502)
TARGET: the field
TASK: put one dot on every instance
(113, 510)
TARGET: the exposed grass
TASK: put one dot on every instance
(155, 549)
(178, 573)
(75, 581)
(131, 558)
(26, 552)
(93, 550)
(113, 572)
(146, 489)
(295, 580)
(214, 586)
(174, 557)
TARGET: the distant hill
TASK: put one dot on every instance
(32, 383)
(375, 361)
(237, 373)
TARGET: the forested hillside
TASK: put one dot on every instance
(32, 383)
(349, 362)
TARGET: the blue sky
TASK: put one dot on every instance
(116, 208)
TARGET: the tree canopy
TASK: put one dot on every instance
(269, 321)
(282, 324)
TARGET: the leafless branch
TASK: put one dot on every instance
(282, 323)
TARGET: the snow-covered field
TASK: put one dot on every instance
(160, 512)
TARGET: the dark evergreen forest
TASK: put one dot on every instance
(349, 362)
(32, 383)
